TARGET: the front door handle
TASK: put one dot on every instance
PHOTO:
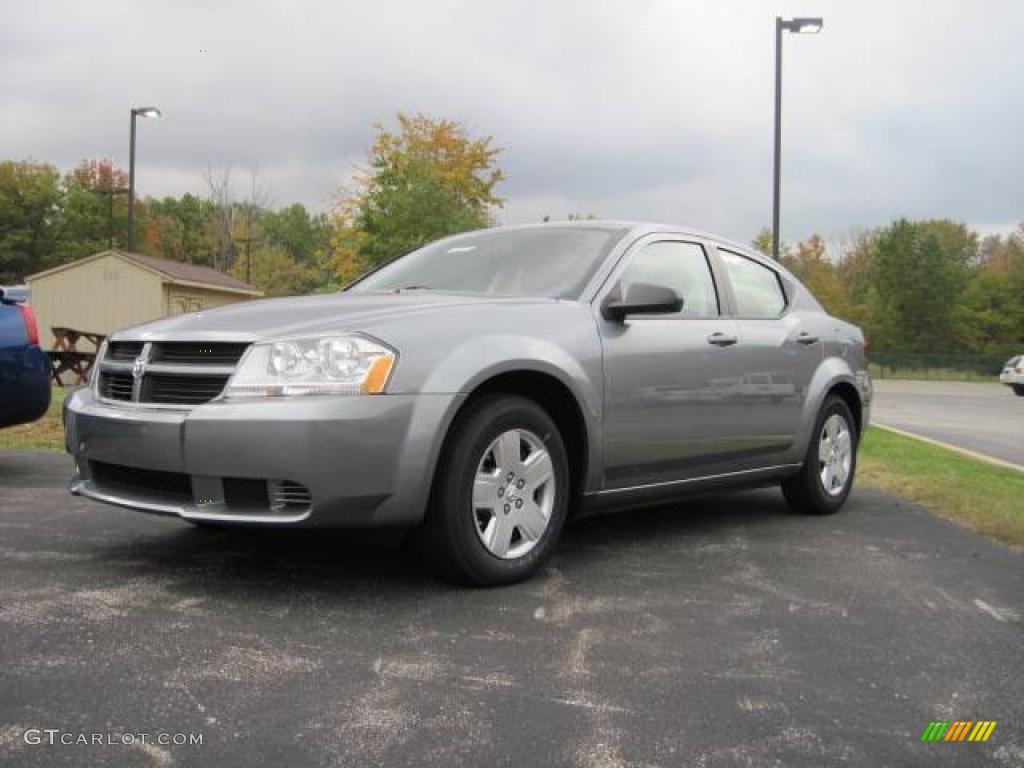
(720, 339)
(807, 338)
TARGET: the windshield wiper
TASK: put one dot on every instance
(413, 288)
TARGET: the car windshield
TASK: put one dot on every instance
(544, 261)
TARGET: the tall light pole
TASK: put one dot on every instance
(799, 26)
(136, 112)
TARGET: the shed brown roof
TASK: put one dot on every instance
(192, 273)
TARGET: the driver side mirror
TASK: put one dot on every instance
(641, 299)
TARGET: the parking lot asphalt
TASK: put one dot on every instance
(722, 632)
(975, 416)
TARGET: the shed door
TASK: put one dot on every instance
(180, 303)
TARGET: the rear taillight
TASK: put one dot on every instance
(866, 345)
(31, 326)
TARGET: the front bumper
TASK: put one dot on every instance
(365, 460)
(1011, 378)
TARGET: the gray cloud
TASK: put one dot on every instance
(653, 110)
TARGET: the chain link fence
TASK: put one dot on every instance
(892, 365)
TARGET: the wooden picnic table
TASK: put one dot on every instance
(68, 338)
(66, 357)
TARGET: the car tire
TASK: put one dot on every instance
(806, 492)
(500, 494)
(1018, 390)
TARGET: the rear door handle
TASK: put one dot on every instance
(720, 339)
(807, 338)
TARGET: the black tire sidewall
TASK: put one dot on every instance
(453, 503)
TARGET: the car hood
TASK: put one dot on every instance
(327, 313)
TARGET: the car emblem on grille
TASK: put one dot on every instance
(139, 368)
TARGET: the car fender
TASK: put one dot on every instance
(831, 371)
(475, 361)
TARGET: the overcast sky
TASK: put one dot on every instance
(627, 109)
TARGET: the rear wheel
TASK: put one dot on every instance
(1018, 390)
(500, 494)
(826, 477)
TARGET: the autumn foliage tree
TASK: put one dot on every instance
(426, 180)
(94, 210)
(810, 263)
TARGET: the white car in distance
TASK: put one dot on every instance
(1013, 375)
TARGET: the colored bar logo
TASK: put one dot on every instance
(958, 730)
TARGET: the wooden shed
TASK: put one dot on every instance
(116, 289)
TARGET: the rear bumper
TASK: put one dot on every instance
(366, 461)
(1011, 378)
(867, 394)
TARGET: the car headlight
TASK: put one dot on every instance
(334, 365)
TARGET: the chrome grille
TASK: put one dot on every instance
(116, 386)
(289, 496)
(173, 388)
(183, 373)
(198, 353)
(124, 350)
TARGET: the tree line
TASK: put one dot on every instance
(48, 218)
(920, 287)
(929, 286)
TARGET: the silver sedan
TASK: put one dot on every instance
(482, 390)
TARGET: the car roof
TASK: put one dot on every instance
(640, 228)
(637, 229)
(16, 293)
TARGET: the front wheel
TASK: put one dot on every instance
(500, 495)
(826, 477)
(1018, 390)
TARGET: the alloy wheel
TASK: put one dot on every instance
(835, 454)
(513, 494)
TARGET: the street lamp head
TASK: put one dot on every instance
(146, 111)
(804, 25)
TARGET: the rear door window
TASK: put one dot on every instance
(757, 289)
